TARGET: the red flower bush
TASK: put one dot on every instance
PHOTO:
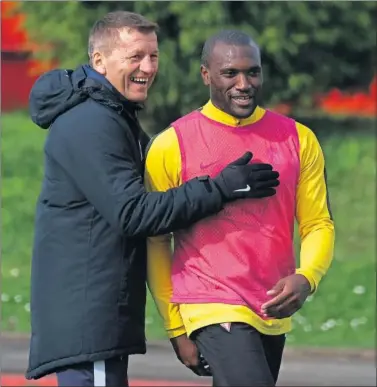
(360, 104)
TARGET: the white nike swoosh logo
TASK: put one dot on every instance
(243, 189)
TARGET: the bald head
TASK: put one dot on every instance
(227, 37)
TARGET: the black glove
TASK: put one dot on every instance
(240, 179)
(203, 368)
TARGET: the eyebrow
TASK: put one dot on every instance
(227, 68)
(138, 51)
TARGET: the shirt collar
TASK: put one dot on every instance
(214, 113)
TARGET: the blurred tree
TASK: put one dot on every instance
(307, 47)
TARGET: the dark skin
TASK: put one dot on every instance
(188, 354)
(234, 76)
(290, 294)
(234, 72)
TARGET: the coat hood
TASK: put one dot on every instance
(57, 91)
(54, 93)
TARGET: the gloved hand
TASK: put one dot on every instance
(240, 179)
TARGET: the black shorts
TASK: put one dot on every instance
(241, 356)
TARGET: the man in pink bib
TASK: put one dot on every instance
(228, 290)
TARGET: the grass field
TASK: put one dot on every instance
(342, 313)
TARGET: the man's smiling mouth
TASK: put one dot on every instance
(139, 81)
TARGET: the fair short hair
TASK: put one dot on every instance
(104, 34)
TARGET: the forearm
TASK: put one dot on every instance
(101, 165)
(313, 210)
(317, 249)
(158, 213)
(160, 286)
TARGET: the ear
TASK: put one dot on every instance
(205, 75)
(99, 62)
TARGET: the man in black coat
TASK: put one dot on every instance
(93, 214)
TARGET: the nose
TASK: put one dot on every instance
(243, 82)
(147, 66)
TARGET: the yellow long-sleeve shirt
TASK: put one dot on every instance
(316, 229)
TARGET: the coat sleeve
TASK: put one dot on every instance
(96, 152)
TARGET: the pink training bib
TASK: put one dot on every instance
(236, 256)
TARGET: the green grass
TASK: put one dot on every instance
(342, 312)
(22, 168)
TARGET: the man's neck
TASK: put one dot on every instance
(92, 73)
(212, 111)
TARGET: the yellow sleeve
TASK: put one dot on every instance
(162, 172)
(313, 212)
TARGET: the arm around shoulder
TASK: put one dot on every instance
(96, 153)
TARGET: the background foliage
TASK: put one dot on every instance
(307, 47)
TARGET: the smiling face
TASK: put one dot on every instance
(234, 75)
(132, 65)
